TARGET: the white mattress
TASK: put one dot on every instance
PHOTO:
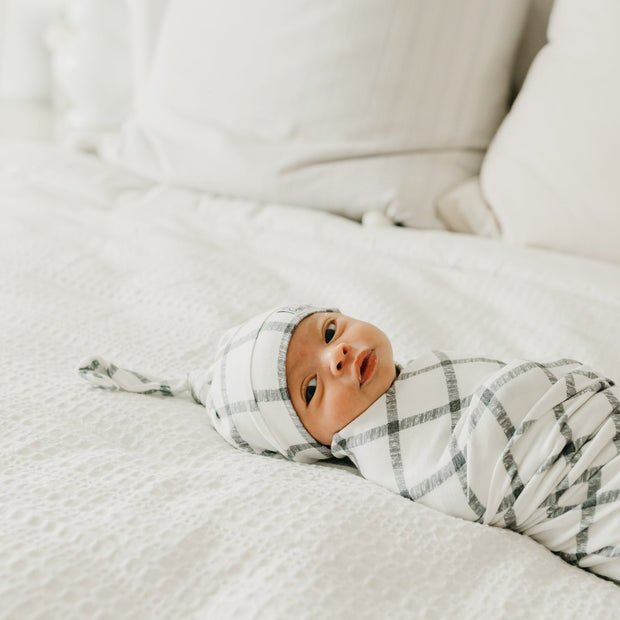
(118, 505)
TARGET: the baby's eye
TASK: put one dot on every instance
(310, 389)
(330, 332)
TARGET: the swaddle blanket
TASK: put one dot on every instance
(527, 446)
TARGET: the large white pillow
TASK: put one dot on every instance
(146, 18)
(347, 105)
(552, 174)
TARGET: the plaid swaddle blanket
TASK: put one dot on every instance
(527, 446)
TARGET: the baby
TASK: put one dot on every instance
(523, 445)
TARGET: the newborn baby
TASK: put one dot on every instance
(528, 446)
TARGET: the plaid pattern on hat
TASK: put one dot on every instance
(244, 389)
(248, 400)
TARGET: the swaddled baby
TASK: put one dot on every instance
(524, 445)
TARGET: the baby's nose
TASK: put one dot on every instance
(338, 357)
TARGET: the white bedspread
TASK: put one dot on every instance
(119, 505)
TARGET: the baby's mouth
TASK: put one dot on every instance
(367, 365)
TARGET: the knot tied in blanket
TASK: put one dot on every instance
(526, 446)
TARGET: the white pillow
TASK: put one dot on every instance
(24, 66)
(146, 17)
(349, 106)
(552, 174)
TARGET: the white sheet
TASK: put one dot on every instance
(121, 505)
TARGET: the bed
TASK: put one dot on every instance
(118, 505)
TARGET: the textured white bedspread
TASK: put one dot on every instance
(115, 505)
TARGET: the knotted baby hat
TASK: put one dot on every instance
(244, 389)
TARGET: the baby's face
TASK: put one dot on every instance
(336, 367)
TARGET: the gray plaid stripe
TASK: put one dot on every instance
(349, 443)
(565, 361)
(284, 327)
(162, 388)
(277, 326)
(234, 433)
(608, 552)
(585, 372)
(605, 552)
(272, 326)
(516, 487)
(455, 414)
(230, 407)
(461, 360)
(562, 420)
(268, 396)
(433, 414)
(394, 441)
(551, 501)
(437, 478)
(547, 371)
(489, 402)
(615, 415)
(300, 447)
(591, 500)
(457, 361)
(604, 497)
(452, 387)
(238, 406)
(587, 514)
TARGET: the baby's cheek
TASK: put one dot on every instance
(334, 411)
(348, 407)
